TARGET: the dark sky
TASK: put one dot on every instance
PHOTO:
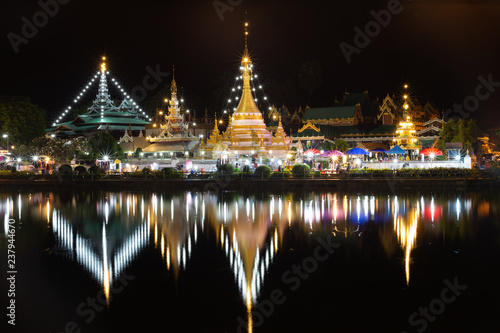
(440, 47)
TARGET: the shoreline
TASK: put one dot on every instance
(221, 184)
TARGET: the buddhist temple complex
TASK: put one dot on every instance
(243, 131)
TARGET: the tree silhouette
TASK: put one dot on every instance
(310, 77)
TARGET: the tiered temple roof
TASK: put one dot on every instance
(102, 115)
(173, 135)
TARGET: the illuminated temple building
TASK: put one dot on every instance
(246, 133)
(103, 114)
(168, 133)
(360, 120)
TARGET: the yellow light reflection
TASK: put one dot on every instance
(249, 309)
(406, 231)
(48, 211)
(168, 257)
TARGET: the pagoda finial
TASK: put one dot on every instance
(405, 100)
(246, 35)
(103, 65)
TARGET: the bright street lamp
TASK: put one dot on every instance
(6, 136)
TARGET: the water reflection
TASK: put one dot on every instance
(104, 232)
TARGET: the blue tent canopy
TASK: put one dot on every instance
(396, 150)
(379, 150)
(356, 151)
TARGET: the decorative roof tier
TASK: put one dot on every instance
(103, 114)
(173, 127)
(169, 131)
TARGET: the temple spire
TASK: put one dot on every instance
(247, 102)
(103, 65)
(102, 101)
(246, 35)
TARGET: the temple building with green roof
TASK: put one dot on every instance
(102, 115)
(359, 119)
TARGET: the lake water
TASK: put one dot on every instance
(228, 262)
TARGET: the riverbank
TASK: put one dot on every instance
(270, 184)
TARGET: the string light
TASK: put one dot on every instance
(127, 97)
(80, 95)
(235, 92)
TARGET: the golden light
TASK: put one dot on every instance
(154, 125)
(406, 106)
(161, 112)
(406, 86)
(405, 96)
(220, 121)
(166, 100)
(246, 24)
(245, 59)
(103, 58)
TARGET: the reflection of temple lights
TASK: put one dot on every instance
(48, 211)
(433, 208)
(249, 244)
(406, 231)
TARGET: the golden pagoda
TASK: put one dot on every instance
(406, 133)
(246, 133)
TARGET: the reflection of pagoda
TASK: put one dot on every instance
(246, 132)
(406, 231)
(105, 254)
(250, 235)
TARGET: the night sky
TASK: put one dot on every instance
(439, 47)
